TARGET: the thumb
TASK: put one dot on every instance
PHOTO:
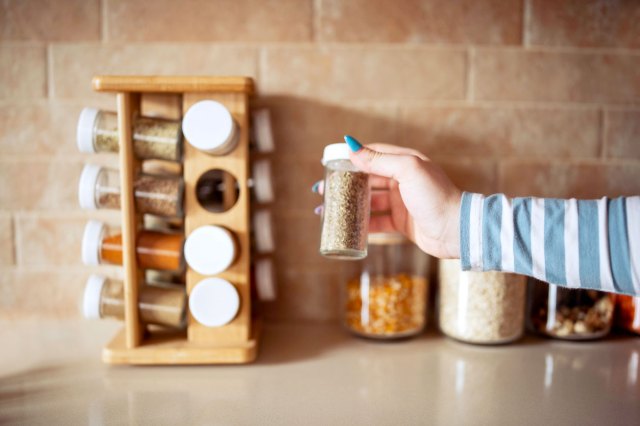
(394, 166)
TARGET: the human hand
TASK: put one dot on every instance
(411, 195)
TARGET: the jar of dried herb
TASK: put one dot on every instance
(153, 138)
(209, 126)
(154, 249)
(627, 314)
(99, 188)
(165, 306)
(387, 299)
(262, 232)
(264, 279)
(261, 181)
(345, 217)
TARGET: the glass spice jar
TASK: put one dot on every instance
(153, 138)
(104, 298)
(210, 249)
(480, 307)
(345, 216)
(99, 188)
(261, 181)
(264, 279)
(388, 299)
(154, 249)
(570, 314)
(262, 232)
(627, 313)
(209, 126)
(214, 302)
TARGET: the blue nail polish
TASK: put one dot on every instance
(315, 187)
(353, 143)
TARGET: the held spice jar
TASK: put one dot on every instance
(570, 314)
(99, 188)
(345, 217)
(104, 298)
(480, 307)
(154, 250)
(628, 313)
(153, 138)
(389, 297)
(209, 126)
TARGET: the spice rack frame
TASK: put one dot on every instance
(236, 342)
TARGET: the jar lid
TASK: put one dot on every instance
(262, 181)
(84, 131)
(263, 231)
(381, 238)
(335, 151)
(262, 132)
(214, 302)
(265, 280)
(91, 298)
(87, 186)
(208, 126)
(94, 231)
(210, 249)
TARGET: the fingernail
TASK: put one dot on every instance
(315, 186)
(353, 143)
(318, 210)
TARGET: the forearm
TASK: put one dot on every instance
(592, 244)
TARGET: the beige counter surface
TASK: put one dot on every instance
(317, 374)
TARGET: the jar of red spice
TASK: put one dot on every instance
(154, 249)
(627, 313)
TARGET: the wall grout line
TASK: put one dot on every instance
(604, 124)
(471, 75)
(526, 22)
(316, 7)
(103, 21)
(49, 72)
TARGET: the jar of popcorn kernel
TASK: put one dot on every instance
(387, 298)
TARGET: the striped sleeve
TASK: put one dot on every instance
(591, 244)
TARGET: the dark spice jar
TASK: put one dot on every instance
(628, 313)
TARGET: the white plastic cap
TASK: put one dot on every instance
(92, 241)
(210, 249)
(262, 133)
(265, 280)
(335, 151)
(214, 302)
(84, 131)
(262, 181)
(263, 231)
(209, 126)
(87, 186)
(91, 298)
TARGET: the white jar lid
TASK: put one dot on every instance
(335, 151)
(84, 131)
(91, 298)
(262, 181)
(209, 127)
(265, 280)
(210, 249)
(94, 232)
(263, 231)
(214, 302)
(87, 186)
(262, 132)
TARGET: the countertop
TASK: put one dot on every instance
(318, 374)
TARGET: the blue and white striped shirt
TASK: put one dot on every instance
(592, 244)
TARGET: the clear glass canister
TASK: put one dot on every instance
(209, 126)
(345, 215)
(153, 138)
(99, 188)
(627, 314)
(104, 298)
(154, 249)
(570, 314)
(480, 307)
(388, 299)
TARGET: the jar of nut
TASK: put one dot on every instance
(569, 314)
(388, 299)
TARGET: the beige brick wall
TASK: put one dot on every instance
(528, 97)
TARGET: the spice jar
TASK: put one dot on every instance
(261, 181)
(214, 302)
(104, 298)
(345, 217)
(261, 131)
(99, 188)
(154, 250)
(153, 138)
(388, 299)
(264, 278)
(480, 307)
(210, 249)
(627, 314)
(209, 126)
(570, 314)
(262, 231)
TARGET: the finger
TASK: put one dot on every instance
(380, 201)
(318, 187)
(381, 224)
(318, 210)
(394, 149)
(379, 182)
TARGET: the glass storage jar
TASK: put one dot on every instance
(570, 314)
(154, 249)
(480, 307)
(153, 138)
(388, 299)
(345, 215)
(627, 314)
(209, 126)
(104, 298)
(99, 188)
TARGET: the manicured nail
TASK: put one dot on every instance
(353, 143)
(316, 186)
(317, 210)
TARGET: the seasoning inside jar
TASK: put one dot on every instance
(153, 138)
(165, 306)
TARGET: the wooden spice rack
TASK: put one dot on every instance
(237, 341)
